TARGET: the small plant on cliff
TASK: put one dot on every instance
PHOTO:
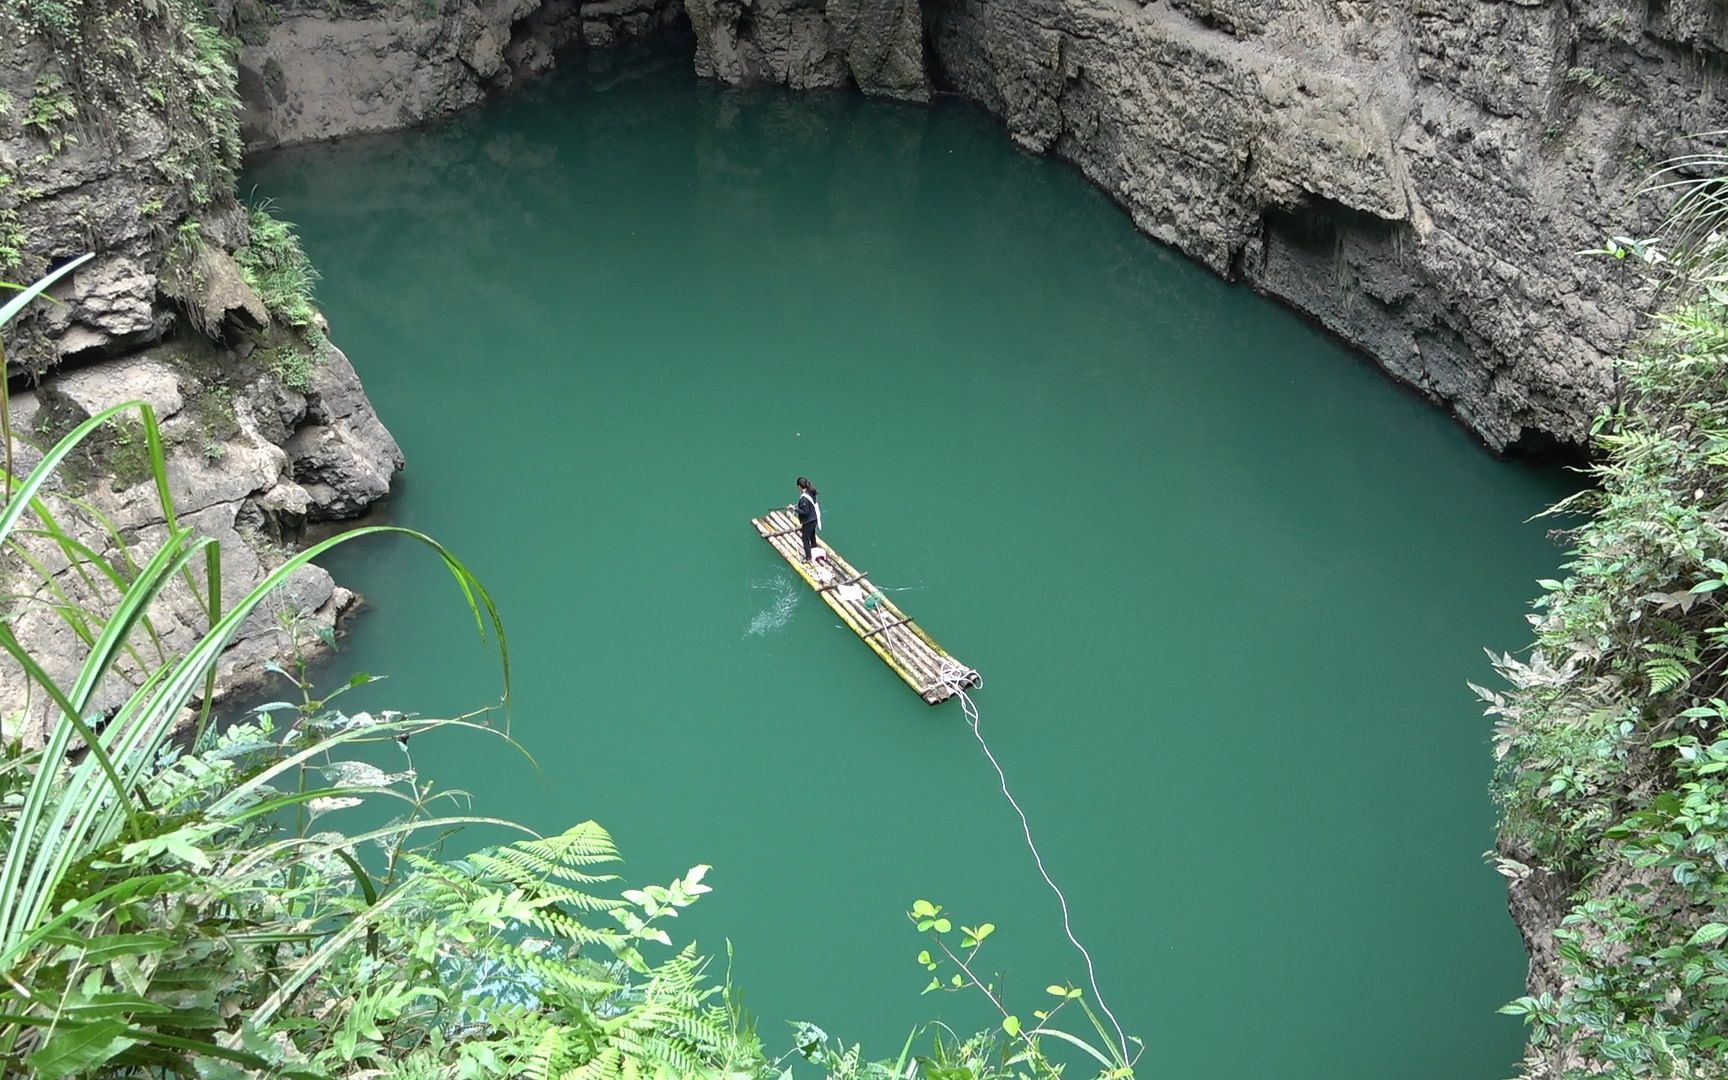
(51, 108)
(292, 366)
(277, 268)
(53, 19)
(119, 55)
(204, 105)
(12, 241)
(127, 454)
(1606, 87)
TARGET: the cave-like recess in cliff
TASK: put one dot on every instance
(1225, 581)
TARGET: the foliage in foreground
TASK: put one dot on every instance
(233, 909)
(1613, 738)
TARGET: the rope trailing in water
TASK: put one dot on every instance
(957, 677)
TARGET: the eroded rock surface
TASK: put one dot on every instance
(1418, 176)
(250, 462)
(875, 45)
(311, 70)
(119, 136)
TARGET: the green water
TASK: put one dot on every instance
(1224, 581)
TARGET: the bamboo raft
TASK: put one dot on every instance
(891, 633)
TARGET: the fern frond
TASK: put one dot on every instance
(602, 1066)
(1665, 674)
(538, 1065)
(552, 970)
(586, 844)
(558, 924)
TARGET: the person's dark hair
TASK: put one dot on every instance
(806, 486)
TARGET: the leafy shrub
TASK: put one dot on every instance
(1613, 738)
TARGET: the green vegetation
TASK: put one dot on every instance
(12, 241)
(171, 49)
(211, 406)
(277, 268)
(292, 365)
(126, 457)
(51, 108)
(1604, 86)
(1613, 739)
(198, 91)
(58, 19)
(266, 898)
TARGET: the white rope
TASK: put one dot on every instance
(957, 678)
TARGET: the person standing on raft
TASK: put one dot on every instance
(809, 514)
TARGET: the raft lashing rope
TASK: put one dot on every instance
(958, 678)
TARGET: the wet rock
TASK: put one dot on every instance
(344, 457)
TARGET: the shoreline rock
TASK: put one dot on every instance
(251, 462)
(1420, 179)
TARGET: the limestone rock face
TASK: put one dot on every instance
(312, 70)
(1418, 176)
(876, 45)
(73, 181)
(883, 42)
(342, 455)
(782, 41)
(117, 138)
(250, 463)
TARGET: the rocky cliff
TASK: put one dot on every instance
(119, 135)
(1417, 176)
(874, 45)
(311, 70)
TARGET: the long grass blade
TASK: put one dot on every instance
(71, 546)
(266, 853)
(213, 581)
(131, 888)
(15, 506)
(13, 306)
(7, 313)
(25, 828)
(83, 818)
(72, 614)
(140, 727)
(1058, 1033)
